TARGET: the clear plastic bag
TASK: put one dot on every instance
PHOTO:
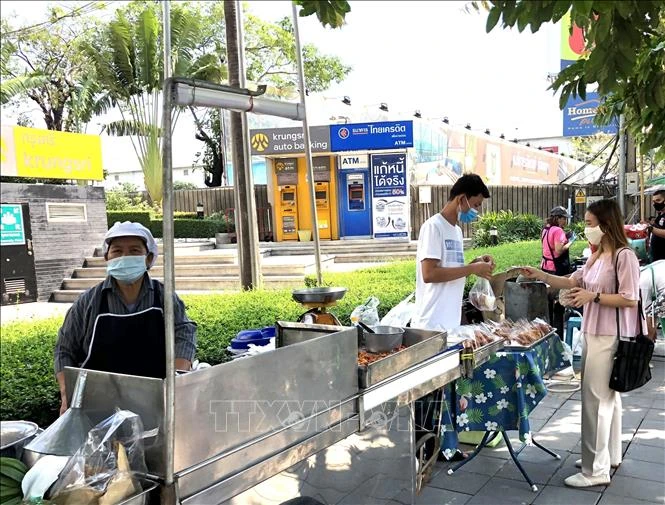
(481, 295)
(400, 315)
(103, 470)
(368, 312)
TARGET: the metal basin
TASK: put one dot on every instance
(318, 295)
(384, 338)
(14, 435)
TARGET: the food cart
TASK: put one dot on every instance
(302, 420)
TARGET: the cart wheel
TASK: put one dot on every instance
(534, 488)
(450, 471)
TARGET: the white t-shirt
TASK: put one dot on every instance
(647, 283)
(439, 304)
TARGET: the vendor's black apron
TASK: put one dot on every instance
(561, 263)
(131, 344)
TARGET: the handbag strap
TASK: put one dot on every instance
(546, 239)
(616, 286)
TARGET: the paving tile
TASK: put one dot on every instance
(484, 465)
(610, 499)
(540, 472)
(574, 405)
(556, 441)
(645, 401)
(461, 482)
(534, 454)
(634, 468)
(655, 413)
(435, 496)
(650, 437)
(654, 424)
(646, 453)
(554, 400)
(499, 491)
(555, 495)
(541, 412)
(640, 489)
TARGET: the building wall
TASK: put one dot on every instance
(59, 247)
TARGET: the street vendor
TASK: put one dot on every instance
(657, 237)
(440, 270)
(118, 325)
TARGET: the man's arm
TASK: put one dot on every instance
(68, 346)
(658, 232)
(185, 336)
(432, 272)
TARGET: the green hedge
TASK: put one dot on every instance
(511, 227)
(187, 228)
(28, 387)
(135, 216)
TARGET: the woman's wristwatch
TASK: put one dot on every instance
(597, 298)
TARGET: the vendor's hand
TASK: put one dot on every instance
(63, 405)
(533, 273)
(482, 269)
(580, 297)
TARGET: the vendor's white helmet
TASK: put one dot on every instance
(129, 229)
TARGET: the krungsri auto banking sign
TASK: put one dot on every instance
(269, 141)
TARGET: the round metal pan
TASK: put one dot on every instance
(318, 295)
(384, 338)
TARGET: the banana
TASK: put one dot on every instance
(13, 462)
(7, 482)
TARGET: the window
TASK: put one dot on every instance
(117, 177)
(66, 212)
(185, 172)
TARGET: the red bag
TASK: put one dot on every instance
(636, 231)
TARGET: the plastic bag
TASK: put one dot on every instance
(106, 463)
(481, 295)
(367, 312)
(400, 315)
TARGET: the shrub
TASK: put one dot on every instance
(227, 225)
(511, 227)
(136, 216)
(187, 228)
(176, 215)
(181, 185)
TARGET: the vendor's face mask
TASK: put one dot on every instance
(659, 206)
(126, 269)
(594, 234)
(467, 216)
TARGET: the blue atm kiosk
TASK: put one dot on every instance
(355, 206)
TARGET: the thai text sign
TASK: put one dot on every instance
(30, 152)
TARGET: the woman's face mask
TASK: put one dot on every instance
(126, 269)
(594, 234)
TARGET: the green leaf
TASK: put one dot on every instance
(477, 388)
(492, 18)
(475, 416)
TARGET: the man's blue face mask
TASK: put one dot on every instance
(126, 269)
(467, 216)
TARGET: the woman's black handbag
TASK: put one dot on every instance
(562, 262)
(631, 359)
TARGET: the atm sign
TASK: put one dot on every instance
(354, 161)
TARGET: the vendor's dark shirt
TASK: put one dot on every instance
(75, 334)
(658, 244)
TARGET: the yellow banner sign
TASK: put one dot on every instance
(573, 43)
(29, 152)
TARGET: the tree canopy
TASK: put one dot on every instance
(624, 57)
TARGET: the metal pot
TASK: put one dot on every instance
(14, 436)
(384, 338)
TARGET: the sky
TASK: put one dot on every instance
(430, 56)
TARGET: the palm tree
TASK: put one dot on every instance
(9, 88)
(129, 63)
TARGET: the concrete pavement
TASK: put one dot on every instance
(493, 479)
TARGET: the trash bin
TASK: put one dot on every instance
(305, 235)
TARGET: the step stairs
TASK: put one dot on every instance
(197, 270)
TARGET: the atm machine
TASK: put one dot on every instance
(322, 192)
(288, 213)
(355, 207)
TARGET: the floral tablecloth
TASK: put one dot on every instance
(502, 392)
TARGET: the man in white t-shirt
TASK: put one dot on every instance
(652, 284)
(440, 270)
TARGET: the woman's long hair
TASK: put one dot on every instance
(611, 223)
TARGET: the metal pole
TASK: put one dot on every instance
(168, 496)
(308, 148)
(250, 194)
(623, 160)
(643, 206)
